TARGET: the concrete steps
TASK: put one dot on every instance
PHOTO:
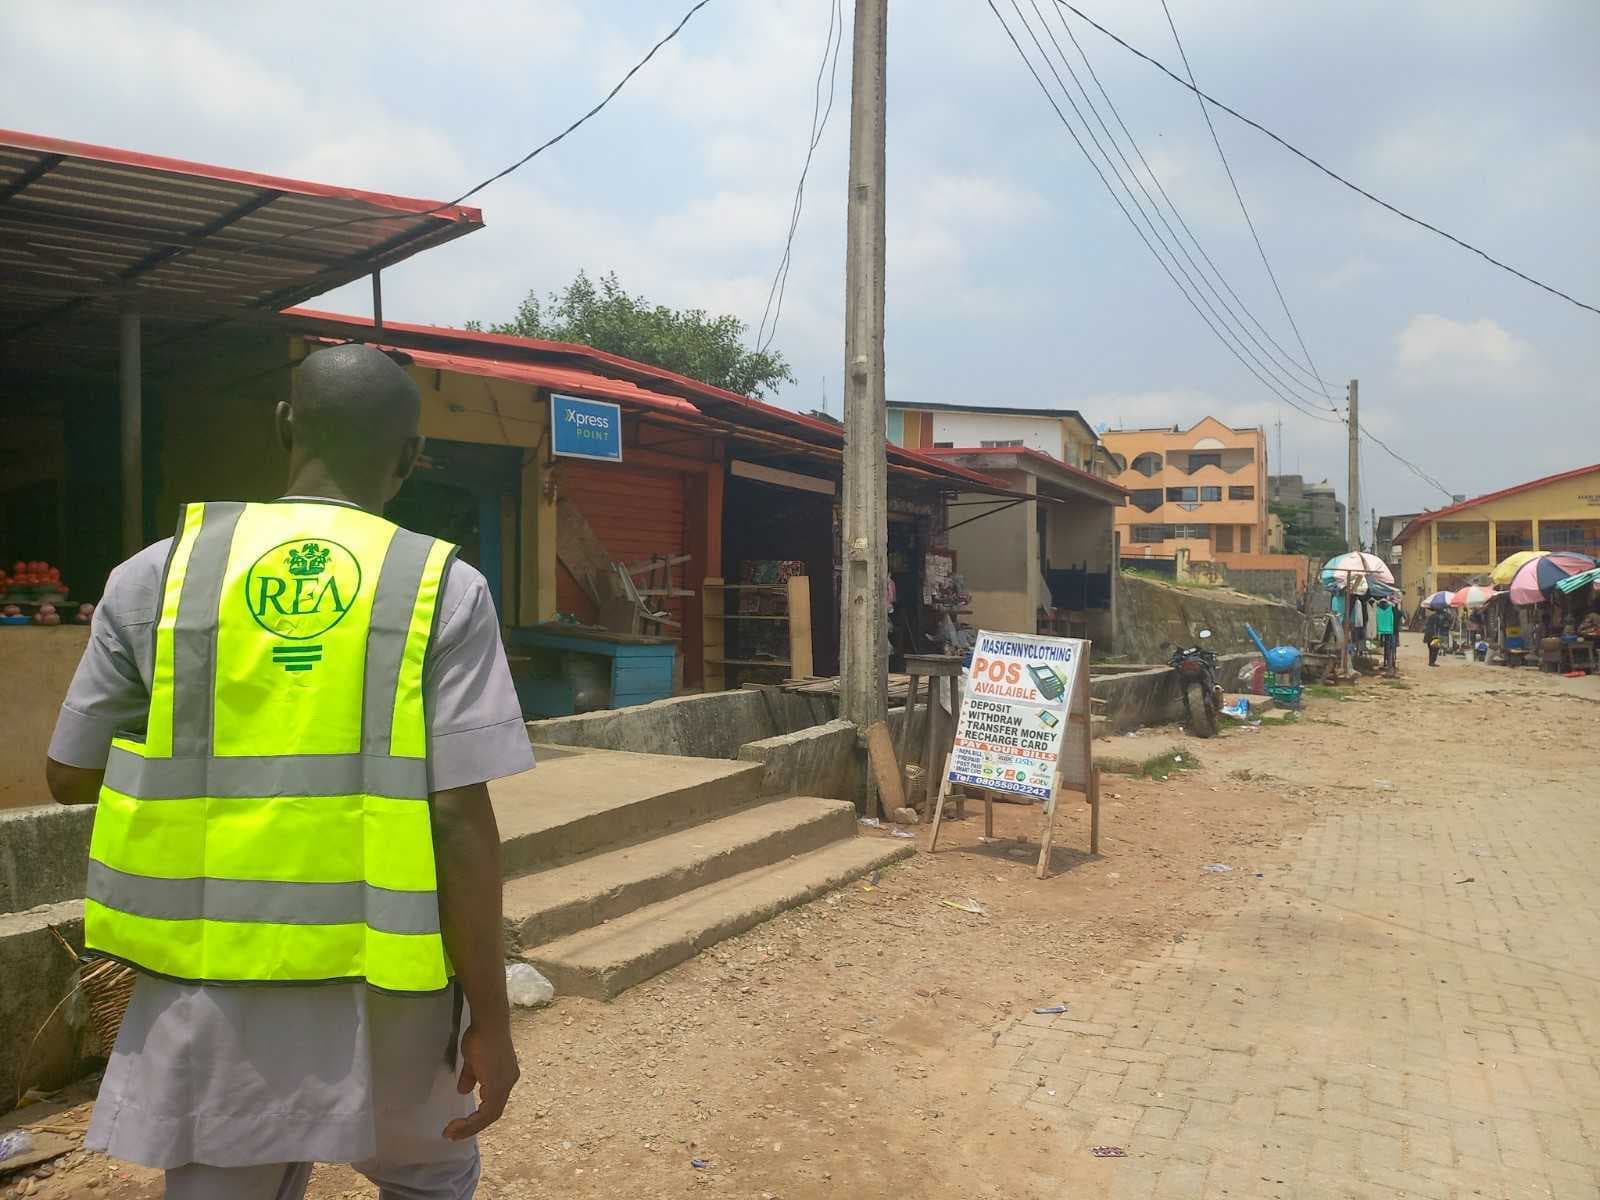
(561, 900)
(607, 959)
(578, 802)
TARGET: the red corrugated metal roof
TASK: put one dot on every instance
(86, 230)
(711, 401)
(1423, 519)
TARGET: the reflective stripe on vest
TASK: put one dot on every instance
(272, 826)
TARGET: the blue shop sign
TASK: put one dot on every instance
(585, 428)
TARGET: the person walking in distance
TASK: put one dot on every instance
(1388, 622)
(1435, 631)
(288, 715)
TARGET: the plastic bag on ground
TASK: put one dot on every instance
(526, 988)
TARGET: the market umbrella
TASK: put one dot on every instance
(1472, 596)
(1537, 577)
(1511, 564)
(1342, 570)
(1439, 600)
(1582, 579)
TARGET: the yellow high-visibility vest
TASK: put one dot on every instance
(272, 824)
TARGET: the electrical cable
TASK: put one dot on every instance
(1329, 172)
(1406, 463)
(1062, 117)
(1239, 196)
(780, 277)
(496, 177)
(1274, 367)
(1287, 358)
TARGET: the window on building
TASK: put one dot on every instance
(1223, 542)
(1118, 464)
(1146, 499)
(1583, 536)
(1211, 493)
(1200, 533)
(1241, 492)
(1244, 539)
(944, 445)
(1148, 465)
(1509, 537)
(991, 444)
(1150, 533)
(1197, 461)
(1183, 495)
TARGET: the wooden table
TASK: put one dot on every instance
(937, 739)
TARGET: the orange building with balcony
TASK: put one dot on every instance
(1202, 489)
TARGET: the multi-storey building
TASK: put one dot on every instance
(1322, 508)
(1201, 489)
(1062, 433)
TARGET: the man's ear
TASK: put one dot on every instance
(410, 452)
(283, 424)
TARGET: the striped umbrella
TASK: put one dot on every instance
(1537, 577)
(1344, 570)
(1439, 600)
(1583, 579)
(1472, 596)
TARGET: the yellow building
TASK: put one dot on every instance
(1450, 548)
(1202, 489)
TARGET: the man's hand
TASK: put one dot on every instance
(489, 1063)
(72, 785)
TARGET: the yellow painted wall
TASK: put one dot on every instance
(1004, 583)
(218, 443)
(1576, 499)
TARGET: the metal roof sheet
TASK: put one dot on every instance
(85, 229)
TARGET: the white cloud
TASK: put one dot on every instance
(1431, 344)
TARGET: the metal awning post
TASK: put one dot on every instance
(129, 370)
(377, 303)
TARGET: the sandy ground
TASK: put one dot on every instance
(838, 1050)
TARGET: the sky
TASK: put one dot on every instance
(1013, 278)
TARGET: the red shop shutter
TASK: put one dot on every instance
(634, 512)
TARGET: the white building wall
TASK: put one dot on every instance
(973, 429)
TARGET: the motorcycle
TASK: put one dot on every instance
(1197, 670)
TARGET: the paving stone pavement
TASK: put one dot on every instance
(1412, 1008)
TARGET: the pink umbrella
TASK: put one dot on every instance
(1472, 596)
(1535, 578)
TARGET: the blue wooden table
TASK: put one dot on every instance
(639, 668)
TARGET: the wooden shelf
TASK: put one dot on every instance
(797, 618)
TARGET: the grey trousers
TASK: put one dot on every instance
(456, 1179)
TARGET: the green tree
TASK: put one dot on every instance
(688, 341)
(1300, 538)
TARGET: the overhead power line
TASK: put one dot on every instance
(1149, 245)
(819, 124)
(1230, 321)
(1406, 462)
(498, 175)
(1283, 355)
(1329, 172)
(1239, 196)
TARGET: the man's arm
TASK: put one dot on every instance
(72, 785)
(466, 849)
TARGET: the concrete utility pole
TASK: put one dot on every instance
(863, 621)
(1353, 512)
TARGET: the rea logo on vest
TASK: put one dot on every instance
(298, 591)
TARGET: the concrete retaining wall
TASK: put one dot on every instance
(43, 855)
(714, 725)
(1149, 613)
(1151, 697)
(819, 761)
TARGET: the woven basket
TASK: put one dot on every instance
(107, 987)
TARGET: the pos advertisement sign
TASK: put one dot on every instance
(1020, 691)
(585, 428)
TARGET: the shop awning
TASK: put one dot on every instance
(88, 230)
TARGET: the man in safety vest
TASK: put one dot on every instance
(288, 715)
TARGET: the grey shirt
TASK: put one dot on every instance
(234, 1076)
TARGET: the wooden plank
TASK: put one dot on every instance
(712, 640)
(938, 805)
(799, 590)
(582, 553)
(885, 770)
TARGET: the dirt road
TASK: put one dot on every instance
(881, 1042)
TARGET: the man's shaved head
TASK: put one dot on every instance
(353, 416)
